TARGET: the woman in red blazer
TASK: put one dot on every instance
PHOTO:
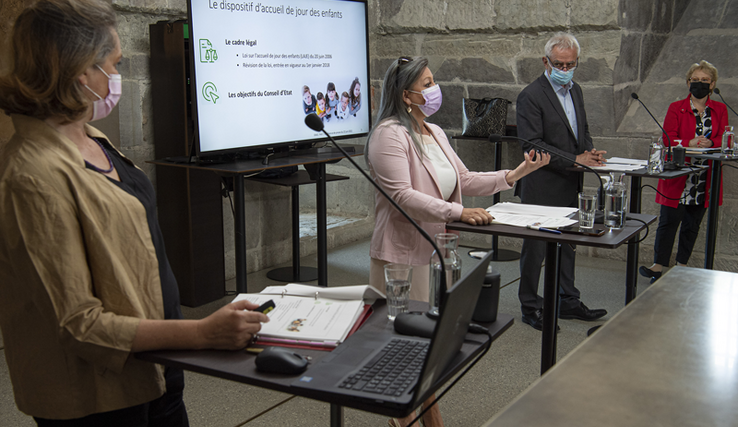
(698, 122)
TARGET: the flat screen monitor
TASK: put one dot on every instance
(258, 67)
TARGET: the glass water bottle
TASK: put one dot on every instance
(448, 244)
(656, 157)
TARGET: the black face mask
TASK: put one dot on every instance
(699, 90)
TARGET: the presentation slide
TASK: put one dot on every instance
(260, 67)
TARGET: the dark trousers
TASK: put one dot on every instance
(690, 217)
(166, 411)
(531, 256)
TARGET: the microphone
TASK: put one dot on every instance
(669, 164)
(717, 91)
(315, 123)
(494, 138)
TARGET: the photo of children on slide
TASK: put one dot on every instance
(329, 105)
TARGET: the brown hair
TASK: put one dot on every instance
(706, 68)
(53, 43)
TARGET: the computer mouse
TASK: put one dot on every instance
(279, 360)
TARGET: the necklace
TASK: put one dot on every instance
(110, 162)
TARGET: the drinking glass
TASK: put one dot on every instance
(397, 279)
(587, 205)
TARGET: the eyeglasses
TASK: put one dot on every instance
(703, 80)
(570, 66)
(403, 60)
(400, 62)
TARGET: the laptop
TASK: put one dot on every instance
(330, 379)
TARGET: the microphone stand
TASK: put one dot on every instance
(315, 123)
(717, 91)
(669, 164)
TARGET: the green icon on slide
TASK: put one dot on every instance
(207, 53)
(210, 92)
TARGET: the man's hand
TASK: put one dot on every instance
(592, 158)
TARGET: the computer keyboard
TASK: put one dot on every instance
(392, 370)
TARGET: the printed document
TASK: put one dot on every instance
(522, 215)
(307, 318)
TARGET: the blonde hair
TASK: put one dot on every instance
(706, 68)
(53, 43)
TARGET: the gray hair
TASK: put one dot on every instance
(400, 76)
(562, 41)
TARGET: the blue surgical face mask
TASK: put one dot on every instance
(562, 77)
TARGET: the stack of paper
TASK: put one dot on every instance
(521, 215)
(620, 164)
(310, 315)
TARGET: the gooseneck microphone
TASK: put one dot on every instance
(669, 164)
(494, 138)
(315, 123)
(717, 91)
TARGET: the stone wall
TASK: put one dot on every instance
(476, 48)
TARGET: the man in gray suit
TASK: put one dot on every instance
(550, 112)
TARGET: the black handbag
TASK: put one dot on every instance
(484, 117)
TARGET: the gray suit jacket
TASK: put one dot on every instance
(541, 119)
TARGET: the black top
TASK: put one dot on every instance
(134, 182)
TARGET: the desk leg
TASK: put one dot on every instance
(497, 253)
(712, 214)
(336, 415)
(550, 305)
(240, 233)
(320, 196)
(496, 199)
(631, 270)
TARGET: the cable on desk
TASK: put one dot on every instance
(227, 189)
(473, 328)
(642, 222)
(662, 194)
(227, 194)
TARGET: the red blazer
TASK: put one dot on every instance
(680, 123)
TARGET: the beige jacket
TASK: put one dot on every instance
(77, 273)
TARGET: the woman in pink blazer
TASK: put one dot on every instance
(698, 122)
(414, 163)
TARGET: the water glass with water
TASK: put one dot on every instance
(616, 199)
(587, 207)
(397, 279)
(728, 148)
(447, 243)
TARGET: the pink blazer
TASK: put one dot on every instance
(411, 180)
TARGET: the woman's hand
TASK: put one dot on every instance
(529, 165)
(700, 142)
(231, 327)
(476, 216)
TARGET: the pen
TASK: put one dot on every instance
(547, 230)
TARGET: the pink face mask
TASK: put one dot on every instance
(103, 106)
(433, 99)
